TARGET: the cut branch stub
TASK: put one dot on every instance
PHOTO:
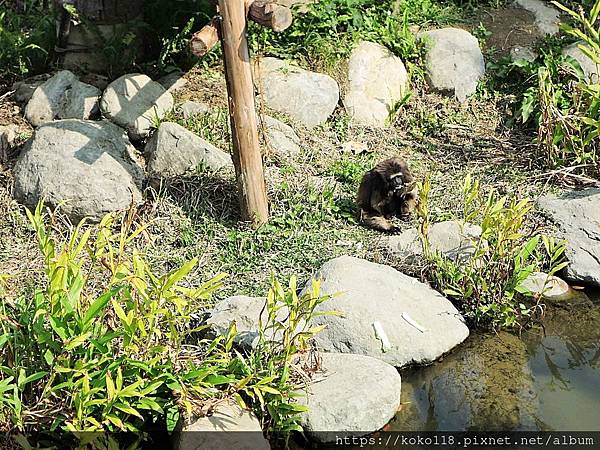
(264, 12)
(270, 14)
(204, 40)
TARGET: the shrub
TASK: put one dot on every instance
(562, 102)
(25, 41)
(105, 344)
(488, 285)
(325, 33)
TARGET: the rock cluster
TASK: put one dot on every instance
(385, 320)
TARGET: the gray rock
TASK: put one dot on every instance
(377, 81)
(23, 90)
(451, 238)
(8, 136)
(281, 138)
(63, 96)
(173, 81)
(454, 61)
(229, 427)
(590, 69)
(134, 102)
(577, 215)
(173, 150)
(369, 293)
(86, 167)
(190, 109)
(551, 288)
(354, 395)
(522, 53)
(247, 312)
(547, 18)
(307, 97)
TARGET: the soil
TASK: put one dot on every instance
(508, 28)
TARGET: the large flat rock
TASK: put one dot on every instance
(307, 97)
(377, 81)
(577, 215)
(248, 313)
(591, 70)
(420, 324)
(353, 395)
(86, 167)
(135, 102)
(455, 240)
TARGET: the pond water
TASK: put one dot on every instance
(549, 379)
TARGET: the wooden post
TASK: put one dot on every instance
(246, 151)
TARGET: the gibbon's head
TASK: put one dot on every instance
(396, 174)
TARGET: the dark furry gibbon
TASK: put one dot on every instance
(386, 191)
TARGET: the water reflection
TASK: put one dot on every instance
(546, 380)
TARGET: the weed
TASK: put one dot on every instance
(556, 96)
(325, 34)
(488, 284)
(104, 345)
(25, 40)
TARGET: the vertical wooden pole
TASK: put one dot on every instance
(246, 151)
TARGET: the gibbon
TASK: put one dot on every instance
(386, 191)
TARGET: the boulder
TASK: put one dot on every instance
(591, 70)
(281, 138)
(173, 150)
(247, 312)
(547, 18)
(384, 314)
(454, 61)
(135, 102)
(229, 427)
(451, 238)
(190, 109)
(63, 96)
(377, 81)
(353, 395)
(307, 97)
(86, 167)
(577, 215)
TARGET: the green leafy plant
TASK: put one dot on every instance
(105, 345)
(25, 38)
(325, 33)
(488, 283)
(559, 98)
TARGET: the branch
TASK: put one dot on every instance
(204, 40)
(270, 14)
